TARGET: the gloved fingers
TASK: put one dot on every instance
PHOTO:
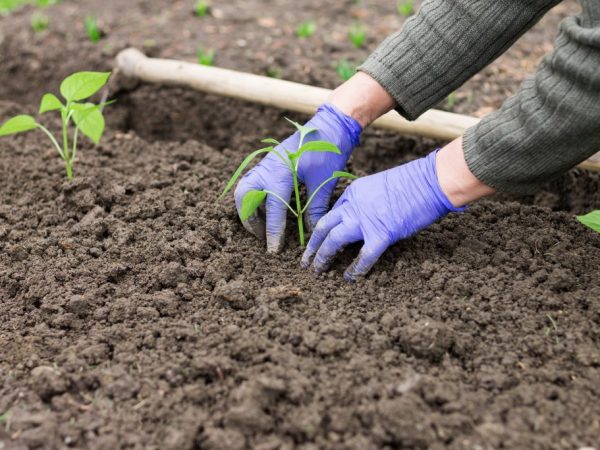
(255, 223)
(366, 259)
(336, 240)
(319, 205)
(324, 226)
(276, 220)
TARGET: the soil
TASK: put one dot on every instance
(135, 312)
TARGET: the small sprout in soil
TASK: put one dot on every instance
(552, 329)
(306, 29)
(92, 30)
(273, 72)
(205, 57)
(344, 70)
(253, 199)
(39, 22)
(451, 101)
(406, 7)
(357, 34)
(591, 219)
(87, 117)
(201, 8)
(5, 419)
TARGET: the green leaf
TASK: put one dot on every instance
(271, 141)
(90, 121)
(340, 174)
(241, 168)
(304, 131)
(591, 220)
(82, 85)
(50, 102)
(315, 146)
(18, 124)
(251, 201)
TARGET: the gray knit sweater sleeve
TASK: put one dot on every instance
(551, 124)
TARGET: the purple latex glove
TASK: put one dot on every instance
(314, 168)
(380, 210)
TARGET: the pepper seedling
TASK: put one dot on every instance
(406, 7)
(344, 70)
(87, 117)
(201, 8)
(206, 57)
(253, 199)
(591, 219)
(39, 22)
(306, 29)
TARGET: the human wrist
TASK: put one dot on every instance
(362, 98)
(456, 180)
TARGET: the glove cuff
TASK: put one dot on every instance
(434, 183)
(351, 127)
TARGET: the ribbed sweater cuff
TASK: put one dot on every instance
(385, 77)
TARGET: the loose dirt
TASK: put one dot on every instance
(135, 312)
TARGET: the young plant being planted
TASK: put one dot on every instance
(357, 35)
(205, 57)
(591, 220)
(93, 31)
(253, 199)
(306, 29)
(87, 117)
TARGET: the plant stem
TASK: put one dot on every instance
(299, 209)
(65, 123)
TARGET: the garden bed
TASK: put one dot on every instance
(136, 312)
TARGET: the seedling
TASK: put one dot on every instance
(344, 70)
(253, 199)
(205, 57)
(201, 8)
(357, 34)
(591, 220)
(451, 100)
(87, 117)
(91, 28)
(273, 72)
(306, 29)
(553, 329)
(39, 22)
(406, 7)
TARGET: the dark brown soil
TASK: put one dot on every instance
(135, 312)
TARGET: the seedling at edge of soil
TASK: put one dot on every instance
(39, 22)
(553, 329)
(591, 219)
(253, 199)
(87, 117)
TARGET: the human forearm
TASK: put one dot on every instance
(552, 123)
(445, 44)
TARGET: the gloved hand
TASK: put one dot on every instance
(314, 168)
(380, 210)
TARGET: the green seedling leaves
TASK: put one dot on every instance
(304, 131)
(82, 85)
(591, 220)
(241, 168)
(250, 203)
(18, 124)
(90, 121)
(50, 102)
(306, 29)
(314, 146)
(341, 174)
(271, 141)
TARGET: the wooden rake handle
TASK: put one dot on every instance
(283, 94)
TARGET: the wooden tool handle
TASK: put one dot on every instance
(283, 94)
